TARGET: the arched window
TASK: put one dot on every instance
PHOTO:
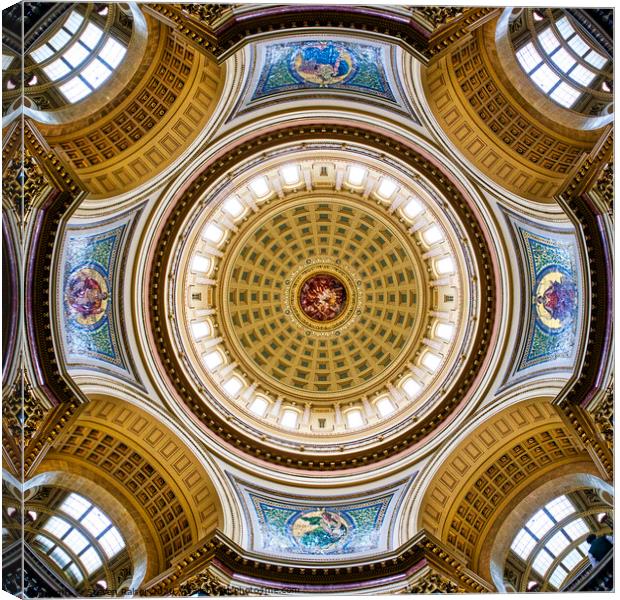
(79, 539)
(80, 56)
(564, 61)
(552, 545)
(66, 62)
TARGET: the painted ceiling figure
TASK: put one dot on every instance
(322, 297)
(85, 295)
(559, 299)
(306, 299)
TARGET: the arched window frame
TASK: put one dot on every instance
(79, 54)
(541, 49)
(564, 560)
(87, 537)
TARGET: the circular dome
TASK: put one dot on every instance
(320, 298)
(323, 300)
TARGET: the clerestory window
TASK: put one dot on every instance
(79, 539)
(551, 543)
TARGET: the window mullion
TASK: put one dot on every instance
(535, 68)
(90, 87)
(103, 61)
(105, 531)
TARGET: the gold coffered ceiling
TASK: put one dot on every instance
(400, 323)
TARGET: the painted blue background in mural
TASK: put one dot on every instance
(554, 299)
(333, 529)
(90, 331)
(323, 64)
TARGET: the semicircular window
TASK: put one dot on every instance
(564, 61)
(550, 550)
(80, 540)
(79, 57)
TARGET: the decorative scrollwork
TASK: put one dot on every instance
(604, 418)
(22, 411)
(605, 184)
(207, 13)
(439, 15)
(23, 182)
(207, 585)
(433, 583)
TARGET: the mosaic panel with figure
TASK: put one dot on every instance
(323, 64)
(319, 530)
(90, 262)
(552, 272)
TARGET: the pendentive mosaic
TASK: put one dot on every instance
(323, 64)
(321, 529)
(552, 272)
(90, 262)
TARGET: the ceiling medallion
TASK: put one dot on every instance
(323, 296)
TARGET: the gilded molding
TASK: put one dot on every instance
(208, 585)
(196, 31)
(588, 170)
(23, 411)
(586, 430)
(433, 583)
(604, 417)
(452, 24)
(257, 573)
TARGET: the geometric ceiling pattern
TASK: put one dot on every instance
(306, 299)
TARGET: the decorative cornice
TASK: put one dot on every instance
(590, 381)
(433, 583)
(252, 572)
(598, 23)
(159, 315)
(589, 168)
(219, 30)
(460, 26)
(604, 417)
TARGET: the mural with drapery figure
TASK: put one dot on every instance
(355, 527)
(90, 263)
(553, 275)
